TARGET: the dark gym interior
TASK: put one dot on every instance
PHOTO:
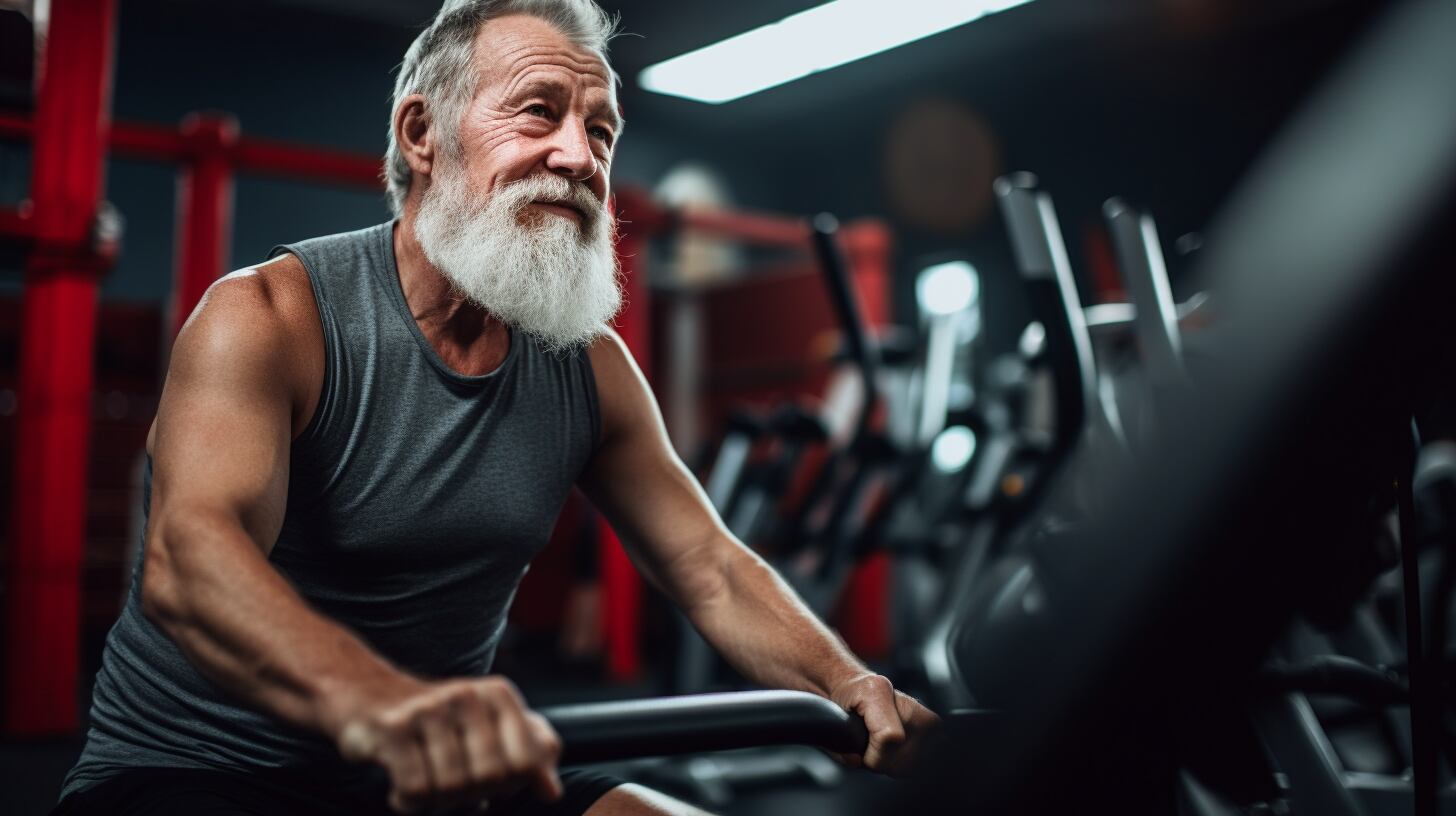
(1085, 367)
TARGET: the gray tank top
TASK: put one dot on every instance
(417, 497)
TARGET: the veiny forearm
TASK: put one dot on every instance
(765, 631)
(212, 591)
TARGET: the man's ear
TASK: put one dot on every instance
(413, 135)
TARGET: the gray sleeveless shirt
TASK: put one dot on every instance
(416, 498)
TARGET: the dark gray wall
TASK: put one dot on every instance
(1123, 97)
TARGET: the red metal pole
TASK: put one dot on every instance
(864, 622)
(58, 328)
(621, 585)
(204, 210)
(15, 224)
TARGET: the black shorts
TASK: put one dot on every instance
(186, 791)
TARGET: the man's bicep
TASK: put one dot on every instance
(223, 425)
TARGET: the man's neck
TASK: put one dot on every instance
(468, 338)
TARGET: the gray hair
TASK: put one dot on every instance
(439, 66)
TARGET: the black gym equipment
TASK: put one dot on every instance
(631, 729)
(1139, 631)
(1126, 651)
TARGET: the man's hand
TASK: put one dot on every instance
(898, 724)
(452, 742)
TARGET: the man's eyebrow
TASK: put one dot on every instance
(535, 86)
(554, 89)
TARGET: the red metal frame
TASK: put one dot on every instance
(56, 353)
(621, 585)
(159, 143)
(71, 133)
(16, 224)
(205, 210)
(211, 151)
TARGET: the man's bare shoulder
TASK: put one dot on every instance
(623, 396)
(271, 297)
(608, 348)
(613, 366)
(257, 325)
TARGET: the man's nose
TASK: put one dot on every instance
(571, 155)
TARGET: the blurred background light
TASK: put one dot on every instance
(806, 43)
(947, 288)
(953, 449)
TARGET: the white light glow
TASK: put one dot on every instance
(948, 288)
(953, 448)
(811, 41)
(1032, 341)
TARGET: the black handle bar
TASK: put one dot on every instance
(824, 229)
(1145, 274)
(1041, 258)
(628, 729)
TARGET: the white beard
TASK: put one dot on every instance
(536, 272)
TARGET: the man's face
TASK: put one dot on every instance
(543, 106)
(516, 219)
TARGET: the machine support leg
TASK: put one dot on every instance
(57, 351)
(204, 210)
(621, 586)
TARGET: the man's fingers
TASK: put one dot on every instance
(477, 726)
(455, 743)
(884, 748)
(882, 720)
(409, 776)
(444, 754)
(548, 781)
(920, 723)
(524, 751)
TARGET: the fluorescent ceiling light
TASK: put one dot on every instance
(808, 42)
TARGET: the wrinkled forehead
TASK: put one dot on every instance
(510, 48)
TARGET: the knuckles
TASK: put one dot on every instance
(404, 739)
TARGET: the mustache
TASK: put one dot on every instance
(554, 190)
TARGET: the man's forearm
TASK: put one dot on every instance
(762, 627)
(208, 587)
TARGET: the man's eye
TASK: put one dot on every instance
(538, 110)
(602, 133)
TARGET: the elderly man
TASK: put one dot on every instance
(362, 443)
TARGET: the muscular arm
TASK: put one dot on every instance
(220, 478)
(677, 541)
(738, 602)
(244, 374)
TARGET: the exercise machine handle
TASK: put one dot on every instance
(1041, 258)
(628, 729)
(1145, 274)
(824, 229)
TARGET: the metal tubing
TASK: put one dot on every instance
(205, 210)
(160, 143)
(57, 338)
(1145, 274)
(1425, 704)
(627, 729)
(17, 224)
(621, 585)
(1041, 259)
